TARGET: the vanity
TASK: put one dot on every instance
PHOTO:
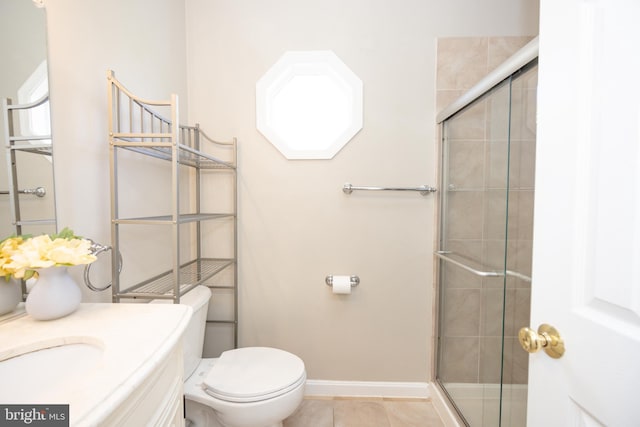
(113, 364)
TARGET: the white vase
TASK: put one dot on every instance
(10, 295)
(54, 295)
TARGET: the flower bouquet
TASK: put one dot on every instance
(21, 256)
(55, 293)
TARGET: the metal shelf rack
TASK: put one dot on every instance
(15, 143)
(147, 128)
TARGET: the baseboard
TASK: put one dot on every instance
(485, 391)
(441, 403)
(367, 389)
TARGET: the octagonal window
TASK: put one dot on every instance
(309, 105)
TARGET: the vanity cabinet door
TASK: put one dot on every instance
(158, 401)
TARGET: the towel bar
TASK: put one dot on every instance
(423, 189)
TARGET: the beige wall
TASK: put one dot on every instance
(144, 42)
(20, 58)
(296, 225)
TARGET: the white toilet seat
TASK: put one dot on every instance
(254, 374)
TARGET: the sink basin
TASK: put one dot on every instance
(100, 361)
(38, 375)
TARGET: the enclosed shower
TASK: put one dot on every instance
(487, 151)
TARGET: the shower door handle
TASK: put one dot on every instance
(547, 337)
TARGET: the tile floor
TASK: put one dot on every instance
(364, 412)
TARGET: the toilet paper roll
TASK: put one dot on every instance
(341, 284)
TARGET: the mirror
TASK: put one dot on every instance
(23, 80)
(309, 105)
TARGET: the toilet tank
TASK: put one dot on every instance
(193, 338)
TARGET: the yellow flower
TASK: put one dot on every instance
(8, 247)
(19, 257)
(70, 252)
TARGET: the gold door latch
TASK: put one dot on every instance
(547, 337)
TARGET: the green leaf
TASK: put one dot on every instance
(66, 233)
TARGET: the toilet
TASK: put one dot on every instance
(245, 387)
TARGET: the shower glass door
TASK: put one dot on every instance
(486, 222)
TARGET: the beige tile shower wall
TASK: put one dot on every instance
(472, 318)
(463, 61)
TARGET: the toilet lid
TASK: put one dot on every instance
(254, 373)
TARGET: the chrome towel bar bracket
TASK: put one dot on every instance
(423, 189)
(38, 191)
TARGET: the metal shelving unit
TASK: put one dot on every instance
(147, 128)
(14, 143)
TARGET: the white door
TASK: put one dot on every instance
(586, 260)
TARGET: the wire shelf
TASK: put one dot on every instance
(168, 219)
(185, 157)
(191, 274)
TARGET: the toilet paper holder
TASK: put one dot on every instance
(355, 280)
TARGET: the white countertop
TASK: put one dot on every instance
(133, 340)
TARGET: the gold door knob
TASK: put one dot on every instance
(547, 337)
